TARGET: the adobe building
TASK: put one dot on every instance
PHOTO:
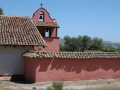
(49, 64)
(19, 34)
(29, 47)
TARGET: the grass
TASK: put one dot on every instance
(100, 84)
(56, 86)
(110, 87)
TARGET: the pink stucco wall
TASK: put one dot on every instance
(46, 69)
(53, 32)
(52, 44)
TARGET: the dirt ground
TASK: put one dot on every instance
(100, 84)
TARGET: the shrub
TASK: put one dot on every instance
(56, 86)
(49, 88)
(34, 88)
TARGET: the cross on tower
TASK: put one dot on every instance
(41, 5)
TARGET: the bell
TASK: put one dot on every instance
(46, 30)
(41, 17)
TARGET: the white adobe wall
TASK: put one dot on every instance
(11, 60)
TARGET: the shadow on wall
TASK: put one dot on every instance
(77, 65)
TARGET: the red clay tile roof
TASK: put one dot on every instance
(19, 30)
(48, 24)
(84, 55)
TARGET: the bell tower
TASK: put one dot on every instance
(47, 27)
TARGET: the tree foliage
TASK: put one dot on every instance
(97, 44)
(84, 43)
(1, 11)
(71, 44)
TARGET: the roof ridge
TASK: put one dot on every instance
(70, 52)
(13, 16)
(44, 21)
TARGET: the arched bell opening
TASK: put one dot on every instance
(41, 17)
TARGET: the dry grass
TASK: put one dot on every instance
(100, 84)
(104, 88)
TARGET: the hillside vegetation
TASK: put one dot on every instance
(86, 43)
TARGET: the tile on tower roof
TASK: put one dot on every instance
(46, 24)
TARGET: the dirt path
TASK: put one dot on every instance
(68, 85)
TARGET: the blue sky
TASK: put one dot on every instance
(95, 18)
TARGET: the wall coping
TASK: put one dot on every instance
(52, 37)
(77, 55)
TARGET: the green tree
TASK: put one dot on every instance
(97, 44)
(85, 43)
(75, 44)
(71, 44)
(118, 49)
(67, 43)
(1, 11)
(79, 38)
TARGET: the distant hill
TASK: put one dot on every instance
(113, 44)
(107, 43)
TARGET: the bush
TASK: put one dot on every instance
(34, 88)
(49, 88)
(56, 86)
